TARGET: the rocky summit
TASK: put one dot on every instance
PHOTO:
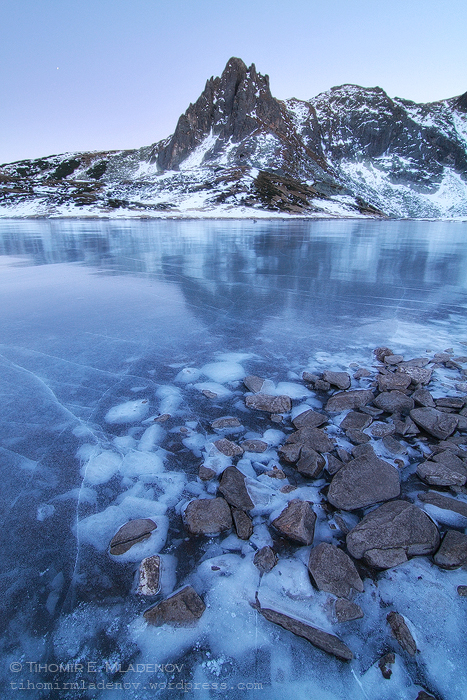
(238, 151)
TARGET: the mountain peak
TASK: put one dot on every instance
(232, 106)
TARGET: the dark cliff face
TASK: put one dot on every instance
(234, 107)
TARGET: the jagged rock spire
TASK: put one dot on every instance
(231, 107)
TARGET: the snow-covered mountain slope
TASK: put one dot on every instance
(238, 151)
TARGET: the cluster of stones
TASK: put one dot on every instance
(397, 408)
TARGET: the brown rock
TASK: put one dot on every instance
(179, 610)
(275, 473)
(417, 375)
(402, 633)
(450, 402)
(321, 385)
(381, 353)
(290, 452)
(297, 522)
(226, 422)
(333, 571)
(232, 487)
(394, 446)
(131, 533)
(333, 464)
(270, 404)
(228, 448)
(438, 474)
(253, 383)
(207, 516)
(311, 463)
(394, 401)
(380, 429)
(437, 499)
(311, 437)
(309, 419)
(424, 398)
(243, 524)
(340, 379)
(393, 359)
(438, 424)
(149, 576)
(356, 421)
(265, 559)
(364, 450)
(453, 551)
(423, 695)
(357, 437)
(398, 380)
(462, 591)
(362, 482)
(209, 394)
(385, 664)
(323, 640)
(344, 400)
(254, 446)
(391, 534)
(346, 610)
(206, 473)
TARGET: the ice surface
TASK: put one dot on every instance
(94, 311)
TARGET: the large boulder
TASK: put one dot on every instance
(439, 474)
(208, 516)
(333, 571)
(181, 609)
(340, 379)
(362, 482)
(433, 498)
(391, 534)
(394, 402)
(453, 551)
(434, 422)
(232, 487)
(297, 522)
(310, 419)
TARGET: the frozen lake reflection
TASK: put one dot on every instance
(108, 325)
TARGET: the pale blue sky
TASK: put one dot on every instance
(127, 69)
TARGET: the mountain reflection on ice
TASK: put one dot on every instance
(95, 314)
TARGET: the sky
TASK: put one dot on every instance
(115, 74)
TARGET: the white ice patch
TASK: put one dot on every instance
(128, 412)
(171, 398)
(188, 374)
(295, 391)
(137, 464)
(101, 467)
(222, 372)
(151, 437)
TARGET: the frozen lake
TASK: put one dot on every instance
(96, 314)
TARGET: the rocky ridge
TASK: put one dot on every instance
(238, 151)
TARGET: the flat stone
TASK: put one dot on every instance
(243, 524)
(149, 576)
(311, 463)
(232, 487)
(398, 380)
(311, 437)
(275, 473)
(129, 534)
(462, 591)
(253, 383)
(207, 516)
(453, 551)
(343, 455)
(309, 419)
(347, 610)
(206, 473)
(418, 375)
(340, 379)
(361, 373)
(438, 424)
(345, 400)
(364, 450)
(391, 534)
(380, 429)
(290, 452)
(321, 385)
(448, 457)
(394, 401)
(450, 402)
(333, 571)
(357, 437)
(180, 609)
(393, 359)
(362, 482)
(309, 377)
(323, 640)
(333, 464)
(265, 559)
(401, 632)
(393, 446)
(209, 394)
(254, 446)
(297, 522)
(356, 421)
(226, 422)
(270, 404)
(424, 398)
(438, 474)
(437, 499)
(228, 448)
